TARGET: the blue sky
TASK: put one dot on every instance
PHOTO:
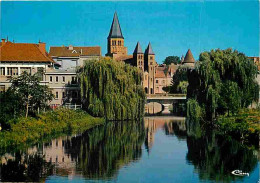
(171, 27)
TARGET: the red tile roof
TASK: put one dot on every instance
(64, 51)
(189, 57)
(124, 58)
(23, 52)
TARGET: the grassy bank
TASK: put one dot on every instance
(245, 125)
(52, 123)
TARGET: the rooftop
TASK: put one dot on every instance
(24, 52)
(71, 51)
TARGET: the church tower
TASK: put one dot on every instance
(138, 57)
(115, 40)
(149, 66)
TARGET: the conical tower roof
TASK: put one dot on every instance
(149, 50)
(115, 30)
(138, 48)
(189, 57)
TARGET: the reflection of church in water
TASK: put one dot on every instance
(171, 126)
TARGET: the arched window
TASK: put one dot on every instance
(146, 90)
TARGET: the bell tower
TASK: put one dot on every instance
(115, 40)
(138, 56)
(149, 66)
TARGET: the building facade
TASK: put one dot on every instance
(155, 76)
(74, 56)
(17, 58)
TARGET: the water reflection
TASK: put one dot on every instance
(26, 168)
(215, 156)
(100, 154)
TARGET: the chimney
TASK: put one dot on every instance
(42, 47)
(70, 47)
(3, 42)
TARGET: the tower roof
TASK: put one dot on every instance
(189, 57)
(115, 30)
(138, 48)
(149, 50)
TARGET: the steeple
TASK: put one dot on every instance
(149, 50)
(189, 57)
(115, 30)
(138, 49)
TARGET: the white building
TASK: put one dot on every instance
(71, 57)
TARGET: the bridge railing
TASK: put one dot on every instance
(165, 95)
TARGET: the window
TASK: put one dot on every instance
(2, 88)
(151, 57)
(163, 81)
(26, 69)
(57, 78)
(157, 81)
(63, 78)
(57, 95)
(74, 80)
(2, 71)
(151, 79)
(63, 94)
(12, 71)
(50, 78)
(151, 68)
(151, 63)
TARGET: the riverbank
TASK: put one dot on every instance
(31, 130)
(244, 126)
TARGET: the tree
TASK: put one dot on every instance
(27, 87)
(10, 107)
(112, 89)
(222, 81)
(172, 59)
(179, 80)
(166, 89)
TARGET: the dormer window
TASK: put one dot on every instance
(74, 51)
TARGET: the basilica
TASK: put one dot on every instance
(155, 76)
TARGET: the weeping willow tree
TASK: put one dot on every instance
(112, 89)
(223, 81)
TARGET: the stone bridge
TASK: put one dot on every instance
(165, 100)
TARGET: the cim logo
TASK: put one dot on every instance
(240, 173)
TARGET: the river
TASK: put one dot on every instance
(156, 149)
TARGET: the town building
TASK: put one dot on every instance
(22, 57)
(73, 56)
(17, 58)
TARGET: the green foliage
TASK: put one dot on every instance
(27, 87)
(112, 89)
(30, 130)
(194, 111)
(180, 80)
(223, 80)
(172, 59)
(243, 126)
(166, 89)
(10, 108)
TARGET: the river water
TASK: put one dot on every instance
(157, 149)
